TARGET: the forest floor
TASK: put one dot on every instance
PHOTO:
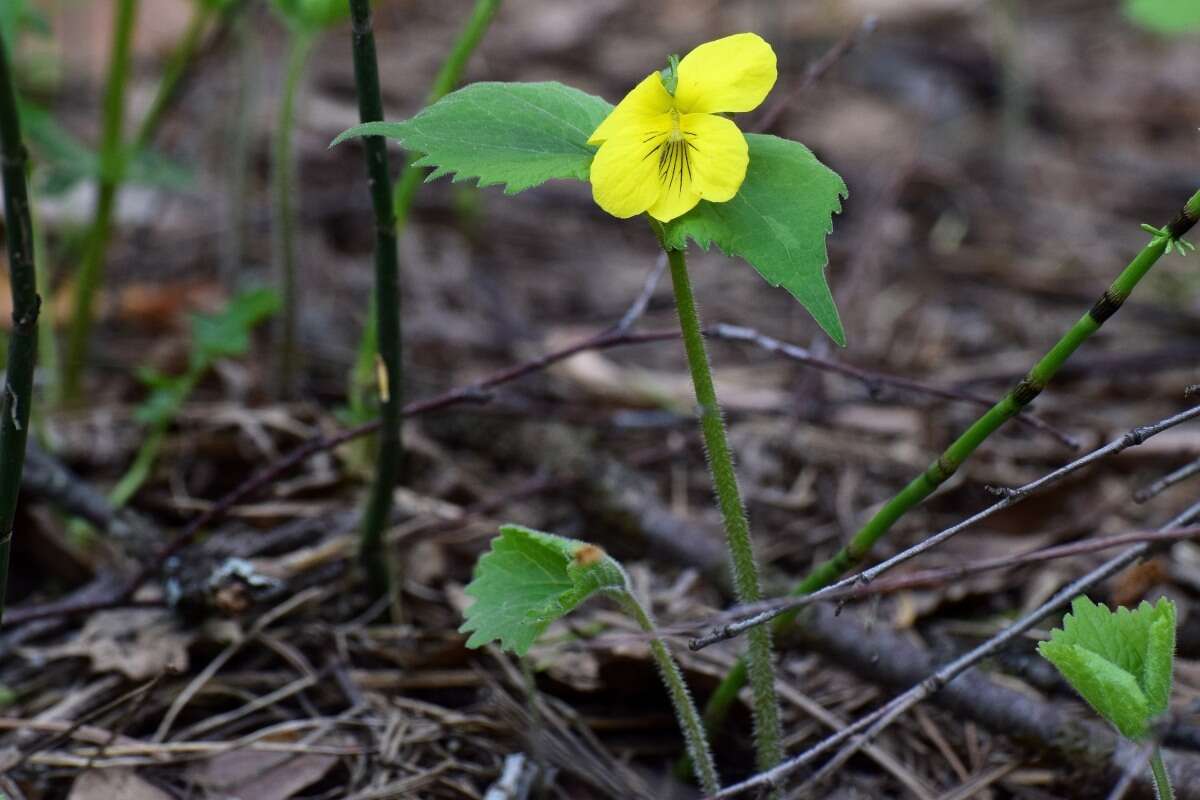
(1000, 158)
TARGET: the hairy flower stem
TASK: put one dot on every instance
(699, 753)
(387, 304)
(1162, 781)
(22, 345)
(961, 448)
(768, 731)
(112, 168)
(362, 377)
(284, 185)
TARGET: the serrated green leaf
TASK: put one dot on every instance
(1165, 16)
(1111, 691)
(528, 580)
(227, 333)
(516, 134)
(1157, 673)
(1139, 644)
(777, 222)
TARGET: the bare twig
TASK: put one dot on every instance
(870, 725)
(1166, 482)
(1009, 497)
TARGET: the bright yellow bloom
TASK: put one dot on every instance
(663, 154)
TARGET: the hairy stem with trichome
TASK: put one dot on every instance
(961, 448)
(690, 722)
(1162, 781)
(387, 304)
(767, 727)
(22, 344)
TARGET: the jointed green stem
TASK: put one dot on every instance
(768, 730)
(387, 303)
(363, 374)
(112, 169)
(22, 345)
(962, 447)
(283, 175)
(690, 723)
(1162, 780)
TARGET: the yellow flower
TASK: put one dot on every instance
(662, 153)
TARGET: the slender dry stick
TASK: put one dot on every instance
(1166, 482)
(22, 344)
(768, 730)
(961, 448)
(868, 726)
(849, 586)
(112, 168)
(387, 304)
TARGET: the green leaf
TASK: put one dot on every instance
(1103, 653)
(778, 222)
(1110, 690)
(167, 393)
(528, 580)
(517, 134)
(313, 15)
(1165, 16)
(227, 333)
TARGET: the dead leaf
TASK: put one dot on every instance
(105, 784)
(139, 643)
(259, 775)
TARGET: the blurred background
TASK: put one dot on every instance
(1000, 157)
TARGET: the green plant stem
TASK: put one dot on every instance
(112, 168)
(362, 376)
(768, 731)
(387, 304)
(284, 187)
(961, 448)
(176, 66)
(245, 98)
(22, 345)
(694, 735)
(1162, 780)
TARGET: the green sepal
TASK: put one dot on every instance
(528, 580)
(778, 222)
(516, 134)
(1120, 662)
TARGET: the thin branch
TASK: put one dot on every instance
(864, 729)
(1011, 497)
(1166, 482)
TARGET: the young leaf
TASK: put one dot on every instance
(528, 580)
(1120, 662)
(1165, 16)
(517, 134)
(778, 222)
(227, 333)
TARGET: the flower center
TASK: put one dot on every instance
(675, 155)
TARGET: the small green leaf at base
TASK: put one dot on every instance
(1120, 662)
(517, 134)
(777, 222)
(1165, 16)
(528, 580)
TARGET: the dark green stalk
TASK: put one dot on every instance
(961, 448)
(362, 376)
(22, 345)
(767, 727)
(387, 303)
(112, 168)
(284, 185)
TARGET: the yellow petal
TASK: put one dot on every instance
(730, 74)
(648, 99)
(676, 177)
(624, 174)
(674, 202)
(719, 155)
